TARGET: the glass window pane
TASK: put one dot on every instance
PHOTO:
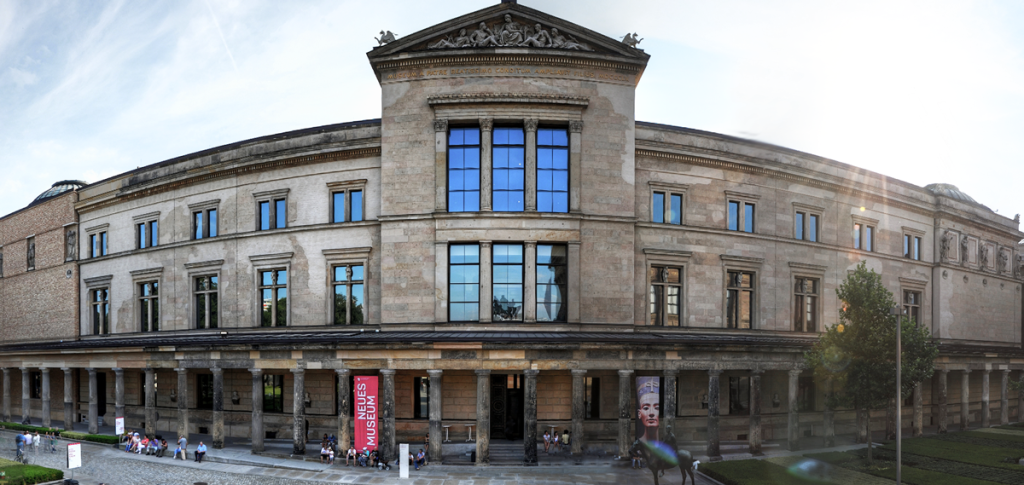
(201, 283)
(798, 224)
(197, 223)
(357, 205)
(544, 158)
(267, 278)
(673, 275)
(266, 317)
(281, 213)
(472, 136)
(153, 233)
(672, 306)
(103, 243)
(282, 277)
(340, 274)
(543, 137)
(357, 304)
(748, 217)
(856, 236)
(746, 309)
(357, 272)
(812, 229)
(201, 310)
(339, 207)
(906, 246)
(142, 235)
(213, 222)
(868, 238)
(144, 315)
(676, 210)
(734, 216)
(471, 158)
(917, 248)
(213, 282)
(340, 299)
(515, 136)
(456, 137)
(658, 207)
(282, 307)
(730, 308)
(264, 216)
(213, 309)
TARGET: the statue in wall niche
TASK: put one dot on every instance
(704, 400)
(72, 243)
(947, 242)
(384, 38)
(983, 255)
(174, 395)
(631, 40)
(1, 264)
(32, 254)
(776, 402)
(1004, 262)
(235, 398)
(308, 400)
(963, 250)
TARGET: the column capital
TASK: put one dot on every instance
(342, 372)
(440, 125)
(44, 369)
(485, 244)
(7, 370)
(966, 371)
(92, 371)
(576, 126)
(23, 369)
(216, 370)
(298, 370)
(486, 124)
(987, 371)
(483, 372)
(579, 372)
(756, 372)
(256, 372)
(434, 372)
(531, 125)
(944, 372)
(117, 370)
(714, 372)
(795, 372)
(387, 372)
(670, 372)
(1006, 371)
(625, 372)
(181, 370)
(65, 369)
(530, 243)
(529, 372)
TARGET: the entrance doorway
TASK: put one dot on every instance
(506, 406)
(101, 392)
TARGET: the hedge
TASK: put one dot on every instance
(98, 438)
(30, 474)
(23, 427)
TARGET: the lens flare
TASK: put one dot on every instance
(663, 451)
(811, 470)
(835, 360)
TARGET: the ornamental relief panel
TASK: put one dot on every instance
(507, 32)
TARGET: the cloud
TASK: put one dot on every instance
(21, 78)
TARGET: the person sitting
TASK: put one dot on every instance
(178, 451)
(421, 459)
(200, 452)
(143, 444)
(374, 458)
(323, 452)
(554, 442)
(330, 456)
(351, 454)
(565, 439)
(153, 446)
(364, 456)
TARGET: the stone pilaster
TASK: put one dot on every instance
(486, 257)
(965, 399)
(299, 411)
(388, 448)
(26, 381)
(917, 428)
(579, 410)
(714, 438)
(793, 421)
(93, 402)
(669, 395)
(575, 166)
(985, 398)
(483, 416)
(530, 282)
(531, 166)
(754, 435)
(344, 409)
(943, 400)
(486, 132)
(1004, 398)
(257, 410)
(574, 282)
(7, 395)
(118, 392)
(69, 403)
(150, 402)
(625, 410)
(436, 415)
(440, 167)
(829, 416)
(45, 396)
(183, 424)
(217, 429)
(530, 417)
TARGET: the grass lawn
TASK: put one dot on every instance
(17, 474)
(752, 472)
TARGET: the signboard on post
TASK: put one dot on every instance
(366, 402)
(119, 426)
(403, 460)
(74, 455)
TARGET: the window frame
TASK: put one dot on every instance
(204, 401)
(146, 302)
(211, 322)
(271, 197)
(98, 241)
(802, 233)
(140, 277)
(30, 253)
(494, 147)
(522, 281)
(346, 188)
(147, 230)
(537, 169)
(920, 288)
(666, 258)
(204, 209)
(537, 284)
(91, 286)
(270, 262)
(273, 378)
(348, 283)
(197, 270)
(99, 327)
(912, 236)
(349, 257)
(448, 169)
(668, 190)
(743, 200)
(861, 239)
(591, 398)
(807, 271)
(418, 400)
(448, 289)
(800, 323)
(742, 264)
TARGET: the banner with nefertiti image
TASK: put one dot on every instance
(648, 408)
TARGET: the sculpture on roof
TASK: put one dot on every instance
(631, 40)
(509, 33)
(384, 38)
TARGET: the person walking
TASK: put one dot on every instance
(28, 439)
(547, 440)
(19, 441)
(35, 442)
(183, 444)
(200, 452)
(53, 442)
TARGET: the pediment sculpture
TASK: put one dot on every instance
(510, 34)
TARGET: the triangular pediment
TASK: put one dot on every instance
(509, 27)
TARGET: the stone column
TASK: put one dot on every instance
(257, 410)
(436, 416)
(486, 169)
(917, 427)
(714, 439)
(579, 410)
(483, 416)
(794, 417)
(182, 401)
(118, 392)
(574, 282)
(965, 399)
(150, 401)
(669, 397)
(531, 166)
(26, 402)
(754, 435)
(299, 411)
(387, 414)
(625, 410)
(441, 281)
(45, 396)
(530, 417)
(485, 281)
(344, 409)
(985, 401)
(94, 405)
(530, 283)
(7, 395)
(575, 165)
(943, 400)
(218, 408)
(69, 399)
(440, 167)
(1004, 398)
(829, 416)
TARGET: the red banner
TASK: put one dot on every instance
(367, 431)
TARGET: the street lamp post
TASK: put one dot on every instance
(896, 310)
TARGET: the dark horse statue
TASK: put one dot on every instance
(661, 456)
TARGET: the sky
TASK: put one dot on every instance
(923, 91)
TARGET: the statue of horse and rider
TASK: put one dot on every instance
(664, 455)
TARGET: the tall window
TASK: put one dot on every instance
(912, 305)
(805, 313)
(421, 399)
(739, 395)
(98, 244)
(100, 302)
(592, 397)
(36, 385)
(741, 216)
(146, 234)
(739, 299)
(552, 170)
(205, 297)
(806, 226)
(805, 394)
(671, 213)
(149, 306)
(507, 286)
(912, 247)
(666, 288)
(204, 391)
(552, 283)
(464, 170)
(464, 282)
(274, 295)
(355, 205)
(204, 224)
(348, 294)
(272, 214)
(273, 393)
(509, 170)
(863, 237)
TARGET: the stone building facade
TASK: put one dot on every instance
(509, 249)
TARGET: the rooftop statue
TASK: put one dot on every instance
(631, 40)
(384, 38)
(510, 33)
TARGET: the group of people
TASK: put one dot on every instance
(552, 443)
(136, 443)
(366, 457)
(25, 439)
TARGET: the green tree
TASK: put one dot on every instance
(858, 355)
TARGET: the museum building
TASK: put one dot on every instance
(509, 251)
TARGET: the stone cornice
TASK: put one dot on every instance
(454, 59)
(527, 98)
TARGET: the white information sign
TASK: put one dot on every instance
(119, 426)
(74, 455)
(403, 460)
